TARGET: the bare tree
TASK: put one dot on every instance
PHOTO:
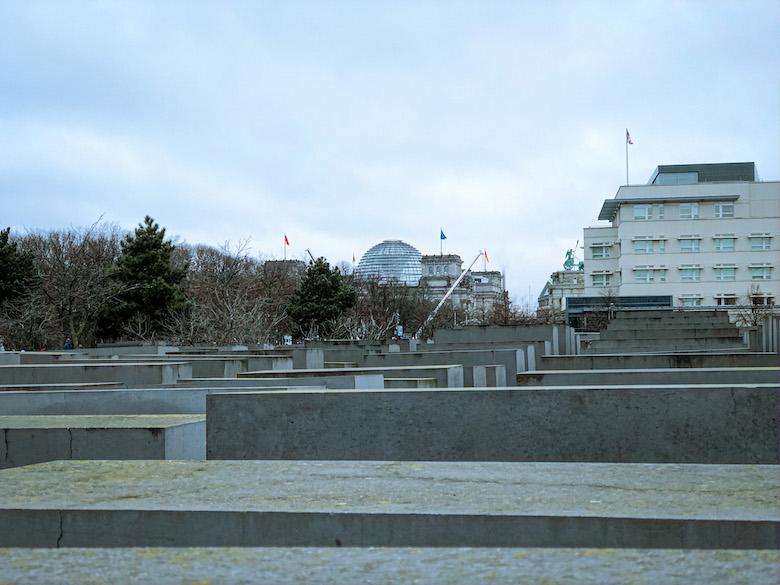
(232, 297)
(756, 309)
(74, 269)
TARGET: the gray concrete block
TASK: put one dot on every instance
(512, 359)
(346, 566)
(34, 439)
(125, 401)
(398, 383)
(130, 374)
(675, 424)
(643, 361)
(447, 375)
(658, 376)
(360, 503)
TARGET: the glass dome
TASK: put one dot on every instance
(391, 261)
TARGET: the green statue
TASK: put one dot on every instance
(569, 262)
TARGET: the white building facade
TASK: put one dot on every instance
(707, 235)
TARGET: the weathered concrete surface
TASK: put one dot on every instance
(130, 374)
(203, 366)
(640, 424)
(512, 359)
(292, 566)
(765, 375)
(396, 383)
(295, 503)
(125, 401)
(50, 387)
(34, 439)
(643, 361)
(447, 375)
(486, 336)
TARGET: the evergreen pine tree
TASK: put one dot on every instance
(17, 270)
(151, 283)
(321, 298)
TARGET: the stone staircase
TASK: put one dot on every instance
(668, 331)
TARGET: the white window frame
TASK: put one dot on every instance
(643, 275)
(765, 241)
(604, 279)
(600, 251)
(646, 216)
(691, 213)
(724, 210)
(766, 272)
(721, 300)
(695, 245)
(647, 246)
(721, 270)
(690, 300)
(721, 239)
(690, 274)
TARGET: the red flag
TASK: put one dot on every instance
(486, 256)
(628, 137)
(286, 241)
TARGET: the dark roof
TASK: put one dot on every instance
(712, 172)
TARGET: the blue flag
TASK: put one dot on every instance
(441, 235)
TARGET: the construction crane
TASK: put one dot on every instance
(309, 253)
(446, 296)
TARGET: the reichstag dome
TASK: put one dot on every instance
(391, 261)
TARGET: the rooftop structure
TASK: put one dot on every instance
(391, 261)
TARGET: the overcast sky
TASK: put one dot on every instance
(345, 123)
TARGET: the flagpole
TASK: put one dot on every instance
(626, 160)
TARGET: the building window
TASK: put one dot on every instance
(726, 274)
(724, 210)
(649, 274)
(760, 272)
(643, 275)
(690, 245)
(690, 274)
(760, 242)
(726, 300)
(600, 279)
(725, 244)
(676, 178)
(600, 251)
(690, 301)
(643, 212)
(689, 211)
(762, 300)
(643, 246)
(659, 211)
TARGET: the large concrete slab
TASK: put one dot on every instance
(447, 375)
(339, 381)
(707, 424)
(691, 376)
(34, 439)
(512, 359)
(345, 566)
(295, 503)
(202, 366)
(644, 361)
(130, 374)
(124, 401)
(49, 387)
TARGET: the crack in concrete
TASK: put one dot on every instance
(70, 443)
(59, 538)
(733, 402)
(7, 450)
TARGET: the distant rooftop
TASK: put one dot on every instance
(703, 173)
(690, 174)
